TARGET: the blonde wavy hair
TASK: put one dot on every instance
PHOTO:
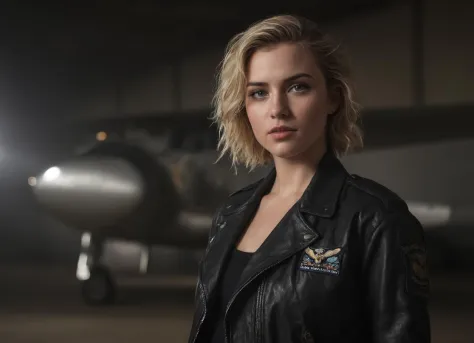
(235, 133)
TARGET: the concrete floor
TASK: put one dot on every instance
(161, 309)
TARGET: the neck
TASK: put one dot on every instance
(294, 175)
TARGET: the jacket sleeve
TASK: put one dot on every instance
(395, 268)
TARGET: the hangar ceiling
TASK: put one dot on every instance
(108, 32)
(49, 49)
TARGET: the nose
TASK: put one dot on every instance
(90, 192)
(279, 106)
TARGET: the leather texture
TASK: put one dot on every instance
(347, 263)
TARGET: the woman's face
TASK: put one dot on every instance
(287, 101)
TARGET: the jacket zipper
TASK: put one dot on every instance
(259, 312)
(245, 285)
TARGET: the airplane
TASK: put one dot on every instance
(153, 179)
(137, 180)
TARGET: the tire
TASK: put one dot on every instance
(99, 289)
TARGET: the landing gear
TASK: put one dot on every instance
(97, 285)
(99, 289)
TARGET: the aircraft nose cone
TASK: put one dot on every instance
(89, 192)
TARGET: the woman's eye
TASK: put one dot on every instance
(258, 94)
(299, 87)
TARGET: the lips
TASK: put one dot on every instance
(278, 129)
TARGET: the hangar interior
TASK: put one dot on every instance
(78, 73)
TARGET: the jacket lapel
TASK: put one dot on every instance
(235, 217)
(289, 237)
(220, 248)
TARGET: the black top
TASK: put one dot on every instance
(235, 266)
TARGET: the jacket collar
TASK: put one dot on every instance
(321, 197)
(250, 194)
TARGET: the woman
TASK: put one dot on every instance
(309, 253)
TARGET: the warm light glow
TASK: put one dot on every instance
(32, 181)
(51, 174)
(101, 136)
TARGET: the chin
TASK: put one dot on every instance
(290, 150)
(287, 152)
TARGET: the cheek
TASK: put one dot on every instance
(310, 112)
(312, 120)
(255, 118)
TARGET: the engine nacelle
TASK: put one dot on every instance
(115, 189)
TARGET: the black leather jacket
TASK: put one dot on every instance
(346, 264)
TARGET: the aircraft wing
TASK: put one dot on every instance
(432, 216)
(385, 128)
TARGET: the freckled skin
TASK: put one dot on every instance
(302, 103)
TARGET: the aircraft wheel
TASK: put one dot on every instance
(99, 289)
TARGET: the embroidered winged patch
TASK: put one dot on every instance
(417, 280)
(321, 260)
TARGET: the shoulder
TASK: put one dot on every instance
(386, 211)
(236, 199)
(240, 196)
(370, 192)
(232, 204)
(248, 188)
(378, 205)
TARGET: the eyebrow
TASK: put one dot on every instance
(291, 78)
